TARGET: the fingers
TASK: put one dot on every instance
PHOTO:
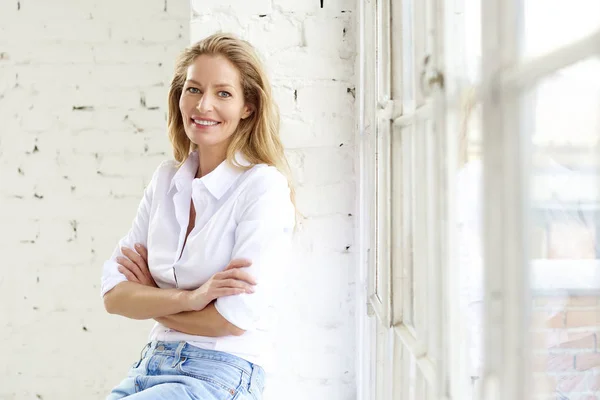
(235, 284)
(131, 267)
(142, 251)
(237, 274)
(128, 274)
(140, 264)
(133, 256)
(222, 292)
(238, 263)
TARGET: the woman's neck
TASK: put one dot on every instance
(208, 160)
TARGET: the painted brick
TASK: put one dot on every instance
(325, 34)
(150, 31)
(8, 77)
(323, 200)
(296, 133)
(330, 7)
(303, 64)
(240, 8)
(207, 24)
(71, 105)
(133, 11)
(285, 97)
(133, 53)
(331, 233)
(57, 30)
(52, 53)
(288, 33)
(313, 160)
(316, 101)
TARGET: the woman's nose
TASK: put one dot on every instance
(205, 103)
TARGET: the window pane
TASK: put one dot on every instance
(383, 50)
(402, 224)
(562, 117)
(398, 370)
(465, 122)
(406, 235)
(420, 270)
(550, 24)
(469, 218)
(410, 377)
(383, 213)
(408, 58)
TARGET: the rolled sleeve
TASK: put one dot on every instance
(138, 233)
(263, 236)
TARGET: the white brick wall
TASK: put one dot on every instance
(90, 166)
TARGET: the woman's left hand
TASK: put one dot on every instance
(135, 266)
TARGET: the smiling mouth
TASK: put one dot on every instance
(204, 123)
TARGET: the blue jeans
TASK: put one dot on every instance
(177, 370)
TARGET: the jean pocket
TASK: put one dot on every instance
(221, 375)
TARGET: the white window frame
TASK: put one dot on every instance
(390, 330)
(395, 118)
(506, 372)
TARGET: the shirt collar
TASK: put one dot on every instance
(217, 182)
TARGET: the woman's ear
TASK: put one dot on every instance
(248, 110)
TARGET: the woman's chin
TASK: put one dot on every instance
(204, 140)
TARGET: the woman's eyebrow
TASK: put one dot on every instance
(219, 85)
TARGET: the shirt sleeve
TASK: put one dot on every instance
(263, 236)
(138, 233)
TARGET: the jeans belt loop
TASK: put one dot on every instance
(177, 358)
(253, 383)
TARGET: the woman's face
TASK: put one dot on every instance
(212, 102)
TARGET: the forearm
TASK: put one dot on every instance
(136, 301)
(206, 322)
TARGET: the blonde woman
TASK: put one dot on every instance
(211, 224)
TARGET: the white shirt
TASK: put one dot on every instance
(239, 214)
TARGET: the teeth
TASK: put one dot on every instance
(206, 123)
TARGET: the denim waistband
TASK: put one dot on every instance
(184, 349)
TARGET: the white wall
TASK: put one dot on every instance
(114, 58)
(90, 167)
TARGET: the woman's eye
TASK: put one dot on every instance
(224, 94)
(193, 90)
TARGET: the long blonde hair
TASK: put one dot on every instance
(256, 137)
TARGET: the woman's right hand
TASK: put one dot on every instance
(231, 281)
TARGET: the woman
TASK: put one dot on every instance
(199, 256)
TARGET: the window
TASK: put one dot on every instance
(480, 130)
(403, 176)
